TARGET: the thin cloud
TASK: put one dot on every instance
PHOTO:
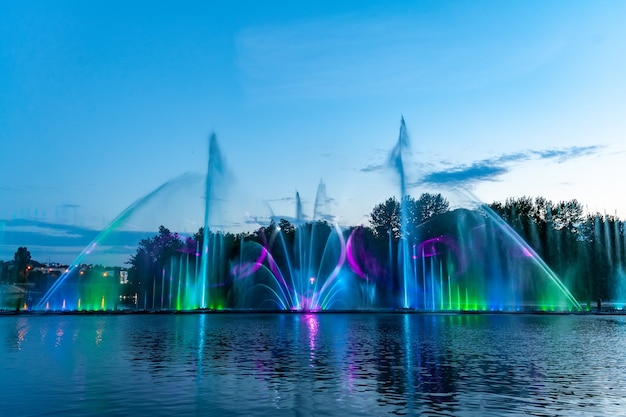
(28, 225)
(511, 157)
(378, 161)
(55, 238)
(476, 172)
(281, 199)
(563, 155)
(290, 219)
(4, 188)
(492, 168)
(256, 220)
(329, 218)
(70, 206)
(374, 168)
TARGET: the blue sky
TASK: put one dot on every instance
(103, 102)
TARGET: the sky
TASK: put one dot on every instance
(107, 107)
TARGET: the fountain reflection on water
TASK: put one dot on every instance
(304, 364)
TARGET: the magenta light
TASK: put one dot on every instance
(350, 256)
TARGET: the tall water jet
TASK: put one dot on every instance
(396, 161)
(320, 202)
(215, 173)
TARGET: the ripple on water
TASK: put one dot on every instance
(299, 365)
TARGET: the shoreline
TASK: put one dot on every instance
(301, 312)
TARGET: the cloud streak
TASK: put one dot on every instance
(69, 206)
(492, 168)
(373, 168)
(476, 172)
(63, 240)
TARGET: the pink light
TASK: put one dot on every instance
(350, 256)
(312, 323)
(250, 268)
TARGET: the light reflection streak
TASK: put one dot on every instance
(200, 351)
(59, 337)
(313, 326)
(99, 333)
(22, 331)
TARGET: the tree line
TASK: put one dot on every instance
(154, 254)
(586, 250)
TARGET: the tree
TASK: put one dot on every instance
(157, 249)
(3, 270)
(568, 215)
(21, 261)
(582, 250)
(153, 254)
(286, 227)
(385, 218)
(430, 205)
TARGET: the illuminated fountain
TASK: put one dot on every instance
(467, 259)
(483, 265)
(192, 278)
(294, 267)
(606, 241)
(84, 288)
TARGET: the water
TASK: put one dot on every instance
(312, 364)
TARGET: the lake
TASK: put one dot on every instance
(312, 364)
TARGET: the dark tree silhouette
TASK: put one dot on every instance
(430, 205)
(387, 216)
(151, 257)
(586, 252)
(21, 261)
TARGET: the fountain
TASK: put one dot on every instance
(294, 268)
(466, 259)
(79, 286)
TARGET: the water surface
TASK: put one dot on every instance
(300, 365)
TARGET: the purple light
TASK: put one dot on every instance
(351, 261)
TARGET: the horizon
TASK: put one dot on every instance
(121, 244)
(104, 104)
